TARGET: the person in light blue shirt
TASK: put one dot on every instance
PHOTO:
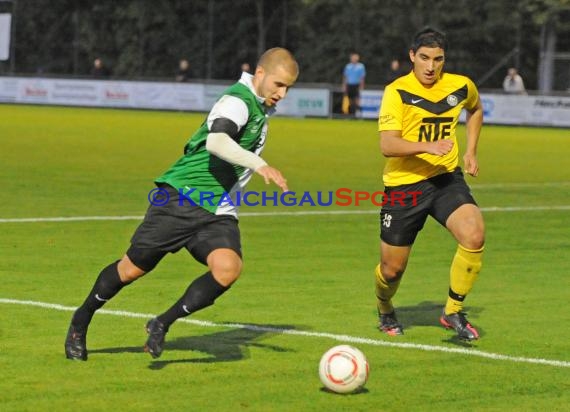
(353, 82)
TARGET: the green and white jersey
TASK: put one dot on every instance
(210, 182)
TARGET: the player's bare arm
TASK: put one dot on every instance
(474, 122)
(392, 145)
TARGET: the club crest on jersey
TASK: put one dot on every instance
(452, 100)
(257, 123)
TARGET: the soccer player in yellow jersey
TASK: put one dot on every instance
(417, 124)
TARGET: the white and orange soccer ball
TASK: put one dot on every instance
(343, 369)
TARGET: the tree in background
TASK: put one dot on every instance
(147, 38)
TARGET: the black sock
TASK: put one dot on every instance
(201, 293)
(107, 285)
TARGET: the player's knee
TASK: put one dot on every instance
(474, 238)
(137, 262)
(225, 275)
(477, 241)
(128, 271)
(392, 270)
(225, 267)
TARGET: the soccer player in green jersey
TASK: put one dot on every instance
(418, 120)
(219, 159)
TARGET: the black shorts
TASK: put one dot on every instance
(171, 227)
(408, 206)
(353, 91)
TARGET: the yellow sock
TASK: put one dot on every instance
(384, 292)
(464, 271)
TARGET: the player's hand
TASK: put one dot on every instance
(440, 147)
(271, 174)
(471, 165)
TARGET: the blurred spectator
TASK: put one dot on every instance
(513, 83)
(99, 69)
(184, 73)
(353, 82)
(394, 72)
(245, 67)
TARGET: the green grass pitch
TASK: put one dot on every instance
(305, 276)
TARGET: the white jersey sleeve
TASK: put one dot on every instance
(229, 107)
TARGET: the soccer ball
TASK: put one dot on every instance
(343, 369)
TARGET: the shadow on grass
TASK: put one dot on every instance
(225, 346)
(359, 391)
(427, 314)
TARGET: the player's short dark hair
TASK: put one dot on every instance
(429, 37)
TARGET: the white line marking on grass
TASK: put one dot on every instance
(523, 208)
(68, 219)
(340, 338)
(278, 213)
(517, 185)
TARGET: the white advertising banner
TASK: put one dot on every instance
(8, 89)
(66, 92)
(34, 91)
(144, 95)
(5, 31)
(498, 108)
(298, 102)
(168, 96)
(370, 103)
(212, 93)
(116, 94)
(305, 102)
(526, 110)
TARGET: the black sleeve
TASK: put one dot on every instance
(223, 125)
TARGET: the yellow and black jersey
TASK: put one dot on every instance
(423, 114)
